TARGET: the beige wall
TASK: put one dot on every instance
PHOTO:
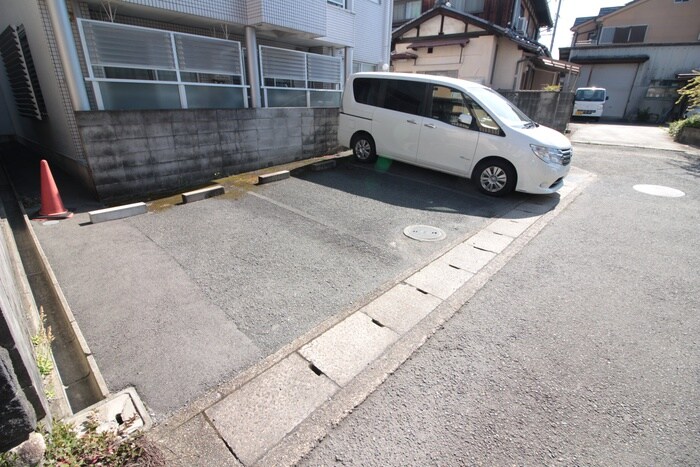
(506, 61)
(473, 62)
(667, 21)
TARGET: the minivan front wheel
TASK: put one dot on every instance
(363, 148)
(494, 177)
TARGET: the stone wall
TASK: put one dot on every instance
(136, 154)
(548, 108)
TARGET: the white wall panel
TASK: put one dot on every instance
(372, 28)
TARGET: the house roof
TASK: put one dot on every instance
(542, 13)
(522, 41)
(610, 59)
(603, 12)
(583, 19)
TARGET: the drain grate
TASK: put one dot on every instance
(424, 233)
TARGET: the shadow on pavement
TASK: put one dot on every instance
(22, 165)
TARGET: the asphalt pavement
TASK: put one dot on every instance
(187, 296)
(583, 350)
(191, 302)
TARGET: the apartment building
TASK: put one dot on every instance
(158, 63)
(641, 52)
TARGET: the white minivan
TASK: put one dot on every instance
(453, 126)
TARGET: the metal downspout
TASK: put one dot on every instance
(251, 44)
(68, 52)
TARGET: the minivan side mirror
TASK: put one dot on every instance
(607, 97)
(465, 119)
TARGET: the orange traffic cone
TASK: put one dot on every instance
(51, 204)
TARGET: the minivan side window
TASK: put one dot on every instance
(447, 105)
(403, 96)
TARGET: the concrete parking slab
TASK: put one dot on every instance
(195, 444)
(344, 350)
(490, 241)
(468, 257)
(258, 416)
(401, 308)
(439, 278)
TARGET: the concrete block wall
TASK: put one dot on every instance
(548, 108)
(134, 155)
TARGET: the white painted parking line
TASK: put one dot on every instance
(257, 416)
(346, 349)
(401, 308)
(439, 278)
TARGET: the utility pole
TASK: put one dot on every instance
(556, 21)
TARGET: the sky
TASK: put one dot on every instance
(570, 10)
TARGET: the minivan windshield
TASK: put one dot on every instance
(590, 95)
(501, 107)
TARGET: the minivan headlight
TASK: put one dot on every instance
(548, 155)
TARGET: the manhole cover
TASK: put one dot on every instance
(424, 233)
(658, 190)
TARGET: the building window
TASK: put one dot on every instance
(340, 3)
(623, 35)
(300, 79)
(468, 6)
(666, 89)
(358, 67)
(405, 10)
(132, 67)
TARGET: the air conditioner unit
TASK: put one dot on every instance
(521, 25)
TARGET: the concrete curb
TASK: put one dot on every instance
(202, 194)
(117, 212)
(273, 177)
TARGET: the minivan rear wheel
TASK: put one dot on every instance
(363, 148)
(494, 177)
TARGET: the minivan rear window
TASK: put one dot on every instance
(366, 90)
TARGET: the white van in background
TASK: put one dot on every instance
(453, 126)
(589, 102)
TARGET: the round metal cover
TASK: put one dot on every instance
(424, 233)
(658, 190)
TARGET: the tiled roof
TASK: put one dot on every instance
(582, 20)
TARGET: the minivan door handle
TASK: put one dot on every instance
(412, 121)
(430, 125)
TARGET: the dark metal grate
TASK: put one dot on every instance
(21, 73)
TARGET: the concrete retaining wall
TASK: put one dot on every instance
(690, 136)
(548, 108)
(22, 401)
(136, 154)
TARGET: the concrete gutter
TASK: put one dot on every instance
(79, 382)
